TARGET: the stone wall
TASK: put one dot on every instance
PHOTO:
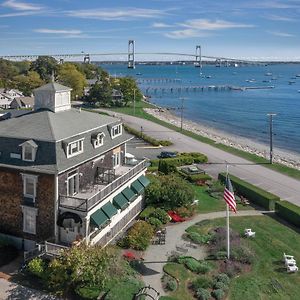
(11, 199)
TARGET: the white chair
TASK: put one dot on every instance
(249, 233)
(287, 257)
(291, 268)
(290, 261)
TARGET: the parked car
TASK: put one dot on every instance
(167, 154)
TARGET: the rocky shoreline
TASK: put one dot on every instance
(280, 156)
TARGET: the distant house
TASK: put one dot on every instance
(117, 95)
(11, 93)
(22, 102)
(5, 101)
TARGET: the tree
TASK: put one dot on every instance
(7, 72)
(129, 88)
(139, 235)
(90, 71)
(101, 94)
(45, 66)
(69, 75)
(170, 192)
(27, 83)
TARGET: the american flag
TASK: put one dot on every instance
(229, 195)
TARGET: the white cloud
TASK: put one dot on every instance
(18, 14)
(122, 14)
(205, 24)
(71, 32)
(161, 25)
(185, 33)
(280, 18)
(281, 34)
(16, 5)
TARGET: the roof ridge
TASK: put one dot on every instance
(50, 126)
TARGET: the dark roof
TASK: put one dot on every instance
(12, 113)
(53, 87)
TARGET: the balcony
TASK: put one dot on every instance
(86, 199)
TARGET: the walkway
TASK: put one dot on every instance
(156, 255)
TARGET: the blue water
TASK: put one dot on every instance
(242, 113)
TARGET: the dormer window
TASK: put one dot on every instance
(116, 130)
(98, 140)
(74, 148)
(29, 149)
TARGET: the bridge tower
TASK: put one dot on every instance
(61, 61)
(86, 59)
(198, 62)
(131, 53)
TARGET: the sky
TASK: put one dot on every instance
(253, 29)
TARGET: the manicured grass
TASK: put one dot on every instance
(268, 278)
(251, 157)
(207, 203)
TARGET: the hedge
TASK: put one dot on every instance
(252, 192)
(147, 138)
(193, 178)
(288, 211)
(169, 165)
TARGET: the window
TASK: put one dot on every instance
(73, 183)
(98, 140)
(29, 149)
(29, 219)
(75, 148)
(116, 159)
(29, 186)
(116, 131)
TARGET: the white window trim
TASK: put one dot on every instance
(33, 150)
(76, 153)
(30, 210)
(74, 173)
(112, 131)
(119, 159)
(96, 141)
(34, 178)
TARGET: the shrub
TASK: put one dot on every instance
(243, 255)
(221, 255)
(222, 277)
(139, 235)
(161, 215)
(184, 212)
(156, 223)
(192, 264)
(145, 214)
(220, 285)
(203, 294)
(252, 193)
(154, 162)
(201, 282)
(88, 292)
(200, 238)
(37, 267)
(289, 212)
(218, 294)
(171, 285)
(204, 268)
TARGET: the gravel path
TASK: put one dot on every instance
(156, 255)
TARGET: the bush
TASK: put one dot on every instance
(145, 214)
(156, 223)
(198, 177)
(197, 156)
(161, 215)
(154, 162)
(37, 267)
(252, 193)
(220, 286)
(139, 235)
(200, 238)
(201, 282)
(243, 255)
(88, 292)
(218, 294)
(289, 212)
(192, 264)
(204, 268)
(203, 294)
(222, 277)
(184, 212)
(169, 283)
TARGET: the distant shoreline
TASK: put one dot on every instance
(283, 157)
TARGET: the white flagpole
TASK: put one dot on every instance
(227, 222)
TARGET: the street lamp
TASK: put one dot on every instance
(271, 115)
(134, 101)
(181, 113)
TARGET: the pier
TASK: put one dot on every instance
(158, 80)
(203, 88)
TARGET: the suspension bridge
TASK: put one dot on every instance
(196, 58)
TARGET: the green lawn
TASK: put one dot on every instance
(268, 278)
(251, 157)
(209, 204)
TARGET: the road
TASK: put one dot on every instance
(284, 186)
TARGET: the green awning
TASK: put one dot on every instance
(120, 201)
(99, 218)
(129, 194)
(144, 180)
(109, 209)
(137, 187)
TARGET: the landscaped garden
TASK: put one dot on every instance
(256, 269)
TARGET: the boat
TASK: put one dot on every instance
(297, 75)
(266, 81)
(208, 76)
(138, 73)
(291, 82)
(268, 74)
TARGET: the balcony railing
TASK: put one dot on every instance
(85, 204)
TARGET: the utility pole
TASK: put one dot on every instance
(271, 115)
(181, 113)
(134, 101)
